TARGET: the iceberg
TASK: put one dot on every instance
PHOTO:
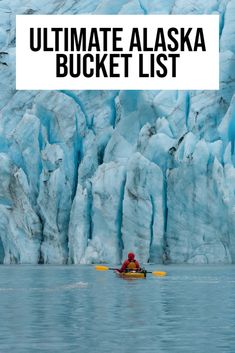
(87, 176)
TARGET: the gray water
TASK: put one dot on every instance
(77, 309)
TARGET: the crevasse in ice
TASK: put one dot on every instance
(88, 176)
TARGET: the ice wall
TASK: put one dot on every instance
(88, 176)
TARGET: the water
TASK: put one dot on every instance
(77, 309)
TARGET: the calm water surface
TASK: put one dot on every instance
(77, 309)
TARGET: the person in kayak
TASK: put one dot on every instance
(130, 264)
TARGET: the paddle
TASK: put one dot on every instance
(105, 268)
(154, 273)
(157, 273)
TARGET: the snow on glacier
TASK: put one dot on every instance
(86, 176)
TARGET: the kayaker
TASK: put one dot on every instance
(130, 264)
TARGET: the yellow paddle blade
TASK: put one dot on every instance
(101, 268)
(159, 273)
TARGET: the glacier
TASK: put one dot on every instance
(86, 176)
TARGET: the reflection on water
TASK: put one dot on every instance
(77, 309)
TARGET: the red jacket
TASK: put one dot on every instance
(127, 262)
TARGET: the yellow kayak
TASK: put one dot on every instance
(131, 274)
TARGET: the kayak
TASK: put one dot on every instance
(131, 274)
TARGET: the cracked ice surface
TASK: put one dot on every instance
(86, 176)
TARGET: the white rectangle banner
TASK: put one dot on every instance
(117, 52)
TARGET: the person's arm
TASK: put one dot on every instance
(137, 265)
(124, 266)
